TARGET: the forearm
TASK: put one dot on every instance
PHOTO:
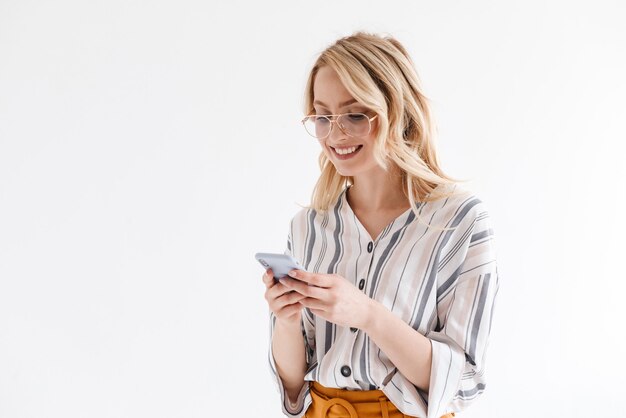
(408, 350)
(290, 357)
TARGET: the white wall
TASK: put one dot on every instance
(149, 149)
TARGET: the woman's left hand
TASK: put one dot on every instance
(331, 297)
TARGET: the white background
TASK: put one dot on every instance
(149, 148)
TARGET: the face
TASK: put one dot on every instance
(332, 98)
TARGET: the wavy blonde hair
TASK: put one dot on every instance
(379, 73)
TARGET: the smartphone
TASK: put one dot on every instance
(281, 264)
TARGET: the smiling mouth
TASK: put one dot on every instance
(347, 151)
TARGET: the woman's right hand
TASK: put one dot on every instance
(284, 302)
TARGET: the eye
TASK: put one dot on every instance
(320, 119)
(356, 116)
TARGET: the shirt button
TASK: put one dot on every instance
(353, 329)
(361, 284)
(345, 370)
(370, 247)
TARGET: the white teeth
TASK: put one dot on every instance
(345, 150)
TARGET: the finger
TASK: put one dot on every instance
(288, 299)
(276, 291)
(268, 278)
(319, 280)
(289, 310)
(313, 303)
(303, 288)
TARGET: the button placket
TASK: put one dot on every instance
(370, 248)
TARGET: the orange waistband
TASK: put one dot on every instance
(336, 403)
(347, 394)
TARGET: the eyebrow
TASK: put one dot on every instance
(343, 104)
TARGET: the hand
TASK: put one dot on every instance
(282, 301)
(331, 297)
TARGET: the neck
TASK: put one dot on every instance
(380, 191)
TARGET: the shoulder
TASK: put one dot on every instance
(301, 218)
(463, 209)
(470, 235)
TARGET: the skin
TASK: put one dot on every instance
(376, 198)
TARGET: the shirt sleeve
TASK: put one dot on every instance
(297, 409)
(459, 343)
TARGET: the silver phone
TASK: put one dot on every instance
(281, 264)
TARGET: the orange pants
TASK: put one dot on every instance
(341, 403)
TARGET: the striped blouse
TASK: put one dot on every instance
(442, 283)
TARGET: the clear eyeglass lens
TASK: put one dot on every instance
(317, 126)
(353, 124)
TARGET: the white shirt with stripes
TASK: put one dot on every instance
(442, 283)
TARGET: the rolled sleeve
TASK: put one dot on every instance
(459, 346)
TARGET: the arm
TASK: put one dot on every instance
(288, 345)
(413, 358)
(289, 356)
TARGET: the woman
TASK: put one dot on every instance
(392, 316)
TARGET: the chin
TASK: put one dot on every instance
(345, 173)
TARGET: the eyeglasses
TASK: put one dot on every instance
(352, 124)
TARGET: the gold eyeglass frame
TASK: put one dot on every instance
(369, 121)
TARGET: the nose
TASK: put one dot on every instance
(336, 133)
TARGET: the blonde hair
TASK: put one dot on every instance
(379, 73)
